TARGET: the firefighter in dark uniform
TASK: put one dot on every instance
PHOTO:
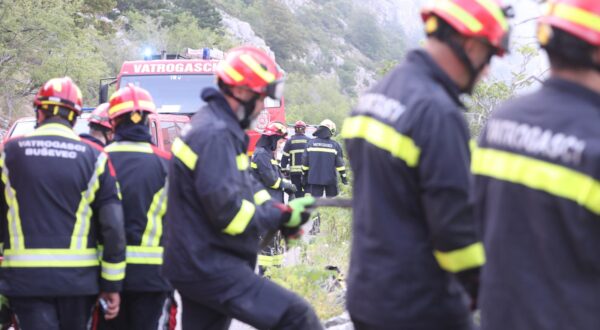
(537, 187)
(217, 209)
(100, 128)
(141, 172)
(292, 156)
(266, 170)
(414, 237)
(322, 161)
(53, 182)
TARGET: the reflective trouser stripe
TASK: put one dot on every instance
(468, 257)
(113, 271)
(50, 258)
(535, 174)
(84, 211)
(15, 231)
(184, 153)
(154, 216)
(241, 219)
(146, 255)
(382, 136)
(261, 197)
(275, 260)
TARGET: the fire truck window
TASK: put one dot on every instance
(154, 132)
(170, 131)
(272, 103)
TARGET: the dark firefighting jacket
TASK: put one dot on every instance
(322, 160)
(292, 153)
(141, 172)
(408, 145)
(266, 170)
(537, 192)
(217, 209)
(52, 183)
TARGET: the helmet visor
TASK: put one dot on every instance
(275, 89)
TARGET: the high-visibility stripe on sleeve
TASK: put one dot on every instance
(141, 147)
(241, 219)
(382, 136)
(15, 230)
(452, 9)
(305, 168)
(253, 165)
(536, 174)
(184, 153)
(154, 216)
(50, 258)
(83, 216)
(261, 197)
(276, 184)
(242, 162)
(113, 271)
(470, 256)
(576, 15)
(313, 149)
(145, 255)
(341, 168)
(274, 162)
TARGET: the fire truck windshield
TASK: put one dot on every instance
(173, 93)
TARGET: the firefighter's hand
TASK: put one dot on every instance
(288, 186)
(113, 301)
(298, 213)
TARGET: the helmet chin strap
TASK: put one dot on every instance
(247, 107)
(473, 71)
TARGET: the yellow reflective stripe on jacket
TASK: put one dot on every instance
(154, 216)
(298, 151)
(468, 257)
(253, 165)
(296, 168)
(242, 162)
(382, 136)
(184, 153)
(113, 271)
(84, 211)
(275, 260)
(55, 130)
(341, 168)
(576, 15)
(15, 230)
(314, 149)
(142, 147)
(540, 175)
(145, 255)
(274, 162)
(261, 197)
(50, 258)
(299, 141)
(460, 14)
(277, 184)
(305, 168)
(241, 219)
(287, 154)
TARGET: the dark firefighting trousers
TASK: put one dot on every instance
(271, 255)
(317, 190)
(212, 301)
(140, 311)
(53, 313)
(296, 179)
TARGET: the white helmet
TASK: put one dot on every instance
(329, 124)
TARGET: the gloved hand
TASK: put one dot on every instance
(285, 172)
(297, 214)
(344, 180)
(470, 281)
(288, 186)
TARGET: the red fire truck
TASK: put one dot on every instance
(175, 83)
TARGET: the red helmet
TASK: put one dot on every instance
(471, 18)
(251, 67)
(580, 18)
(100, 116)
(275, 128)
(129, 99)
(299, 124)
(61, 92)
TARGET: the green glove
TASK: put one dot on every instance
(299, 216)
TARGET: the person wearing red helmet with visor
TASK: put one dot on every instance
(60, 199)
(416, 255)
(536, 187)
(142, 175)
(292, 156)
(217, 209)
(101, 131)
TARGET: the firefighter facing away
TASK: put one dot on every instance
(537, 183)
(292, 156)
(414, 237)
(266, 170)
(217, 209)
(322, 160)
(141, 172)
(53, 181)
(100, 127)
